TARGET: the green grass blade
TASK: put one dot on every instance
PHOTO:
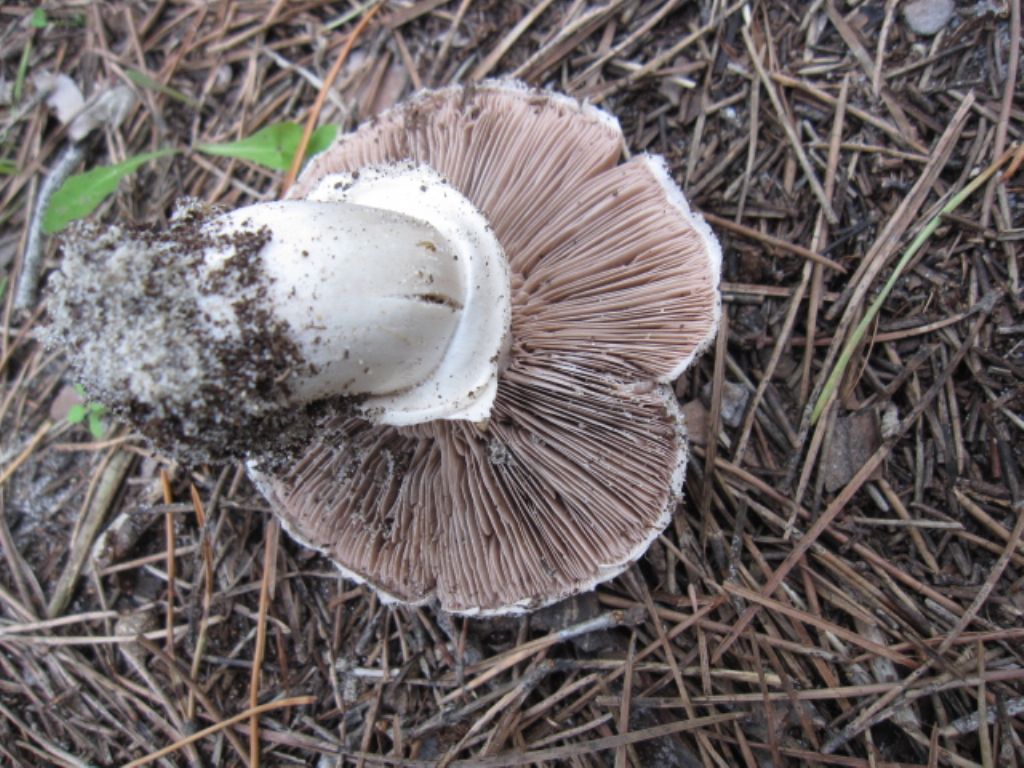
(143, 80)
(345, 18)
(918, 242)
(19, 78)
(82, 193)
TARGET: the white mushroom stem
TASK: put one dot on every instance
(388, 289)
(372, 297)
(394, 288)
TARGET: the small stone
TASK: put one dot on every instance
(853, 440)
(734, 401)
(927, 17)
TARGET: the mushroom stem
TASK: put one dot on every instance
(247, 316)
(372, 298)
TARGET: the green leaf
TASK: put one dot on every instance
(82, 193)
(274, 146)
(7, 167)
(3, 286)
(321, 139)
(38, 19)
(77, 413)
(143, 80)
(96, 426)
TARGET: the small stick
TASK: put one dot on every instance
(627, 696)
(788, 81)
(774, 242)
(498, 664)
(984, 740)
(102, 490)
(655, 63)
(318, 105)
(787, 126)
(821, 234)
(634, 36)
(491, 60)
(714, 426)
(1002, 124)
(295, 701)
(138, 562)
(269, 556)
(165, 483)
(904, 516)
(779, 608)
(35, 626)
(204, 621)
(442, 55)
(32, 261)
(22, 457)
(883, 36)
(195, 691)
(972, 722)
(56, 641)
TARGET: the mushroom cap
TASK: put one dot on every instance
(581, 464)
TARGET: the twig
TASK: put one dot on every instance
(94, 640)
(446, 44)
(110, 476)
(485, 67)
(32, 261)
(22, 457)
(318, 105)
(171, 558)
(787, 126)
(195, 691)
(568, 751)
(774, 242)
(972, 722)
(888, 238)
(207, 558)
(1012, 58)
(295, 701)
(269, 558)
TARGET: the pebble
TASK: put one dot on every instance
(927, 17)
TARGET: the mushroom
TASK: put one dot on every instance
(446, 356)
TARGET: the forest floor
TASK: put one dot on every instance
(842, 592)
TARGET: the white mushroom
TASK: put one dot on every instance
(447, 357)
